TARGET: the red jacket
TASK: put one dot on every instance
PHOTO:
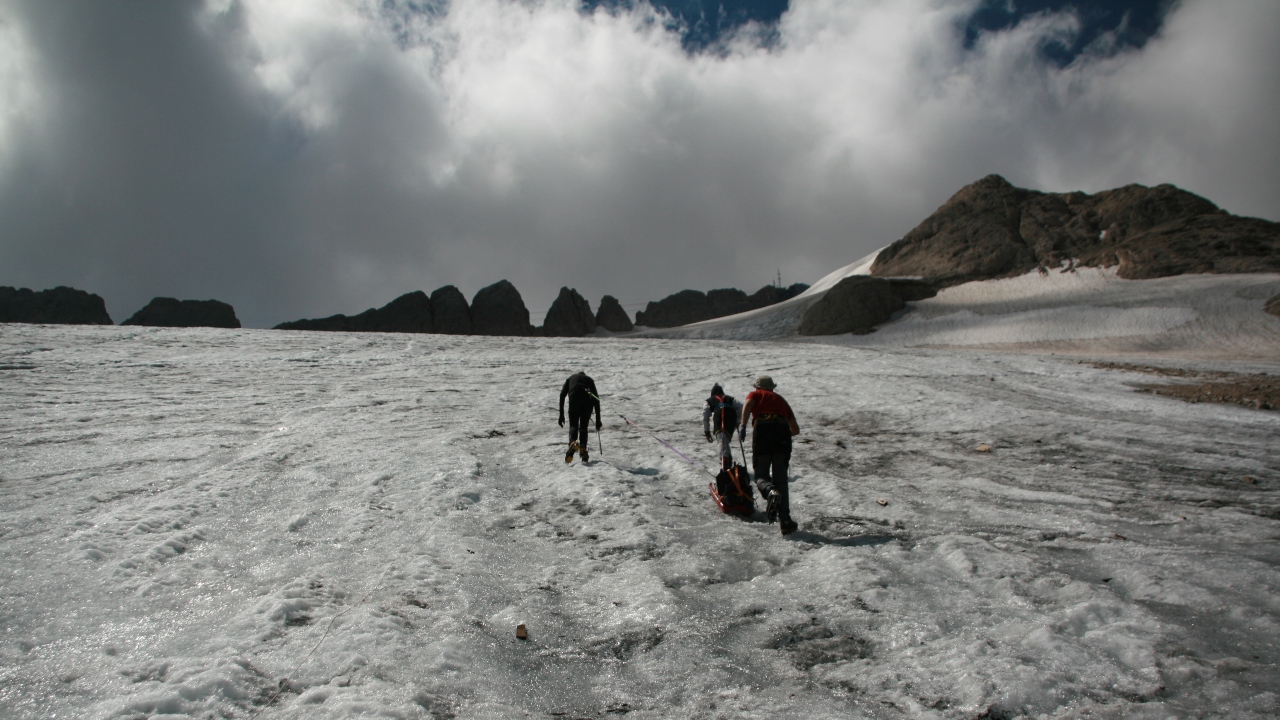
(769, 403)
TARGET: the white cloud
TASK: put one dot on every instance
(531, 141)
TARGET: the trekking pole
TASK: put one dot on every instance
(598, 440)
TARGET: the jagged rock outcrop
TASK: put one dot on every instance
(409, 313)
(991, 229)
(772, 295)
(333, 323)
(499, 310)
(691, 306)
(60, 306)
(1273, 306)
(855, 305)
(450, 312)
(612, 317)
(570, 316)
(728, 301)
(171, 312)
(682, 308)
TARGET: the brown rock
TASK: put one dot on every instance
(991, 229)
(855, 305)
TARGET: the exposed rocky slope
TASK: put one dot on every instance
(691, 306)
(409, 313)
(991, 229)
(450, 311)
(170, 312)
(570, 316)
(60, 306)
(860, 302)
(499, 310)
(1273, 306)
(612, 317)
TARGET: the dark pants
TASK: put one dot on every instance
(770, 455)
(579, 417)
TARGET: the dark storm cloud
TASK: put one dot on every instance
(146, 168)
(305, 158)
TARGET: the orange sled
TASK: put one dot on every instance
(732, 491)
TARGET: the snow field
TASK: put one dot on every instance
(207, 523)
(1083, 311)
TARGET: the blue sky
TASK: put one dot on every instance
(299, 158)
(1132, 22)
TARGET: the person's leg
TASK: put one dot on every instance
(726, 450)
(577, 420)
(781, 486)
(781, 460)
(762, 464)
(579, 414)
(584, 420)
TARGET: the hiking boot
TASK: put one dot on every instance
(573, 447)
(582, 452)
(771, 506)
(787, 526)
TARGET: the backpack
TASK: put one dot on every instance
(732, 491)
(723, 415)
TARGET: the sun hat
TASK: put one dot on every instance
(764, 382)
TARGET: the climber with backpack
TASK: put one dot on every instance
(772, 425)
(720, 416)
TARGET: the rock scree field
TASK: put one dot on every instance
(206, 523)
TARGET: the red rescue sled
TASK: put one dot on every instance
(732, 491)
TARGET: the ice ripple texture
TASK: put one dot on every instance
(210, 523)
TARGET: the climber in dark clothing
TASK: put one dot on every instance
(772, 424)
(583, 398)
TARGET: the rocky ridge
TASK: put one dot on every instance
(991, 229)
(409, 313)
(691, 306)
(858, 303)
(59, 306)
(170, 312)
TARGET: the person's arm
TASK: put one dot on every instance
(746, 414)
(791, 420)
(563, 391)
